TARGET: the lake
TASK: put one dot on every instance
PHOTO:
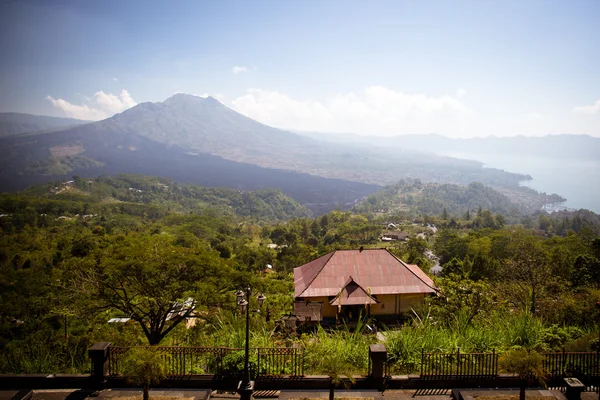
(576, 180)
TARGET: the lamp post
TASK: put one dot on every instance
(246, 386)
(598, 344)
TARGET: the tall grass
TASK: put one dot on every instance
(30, 357)
(499, 332)
(229, 330)
(350, 348)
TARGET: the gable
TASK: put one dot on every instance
(352, 294)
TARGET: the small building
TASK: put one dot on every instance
(346, 283)
(395, 235)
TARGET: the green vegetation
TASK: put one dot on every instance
(527, 364)
(73, 256)
(144, 367)
(412, 197)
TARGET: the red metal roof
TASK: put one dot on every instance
(374, 269)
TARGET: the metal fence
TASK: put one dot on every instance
(217, 361)
(274, 362)
(585, 365)
(459, 365)
(485, 365)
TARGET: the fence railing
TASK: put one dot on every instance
(185, 361)
(572, 364)
(463, 365)
(179, 361)
(485, 365)
(273, 362)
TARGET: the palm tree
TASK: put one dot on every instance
(144, 366)
(338, 370)
(527, 364)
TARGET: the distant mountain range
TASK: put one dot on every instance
(561, 146)
(199, 140)
(16, 123)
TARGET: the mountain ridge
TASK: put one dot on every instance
(14, 123)
(559, 145)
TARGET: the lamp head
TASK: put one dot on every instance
(243, 304)
(239, 296)
(261, 298)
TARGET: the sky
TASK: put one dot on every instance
(456, 68)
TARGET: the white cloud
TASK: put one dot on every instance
(588, 110)
(460, 92)
(100, 106)
(115, 79)
(534, 116)
(376, 110)
(238, 70)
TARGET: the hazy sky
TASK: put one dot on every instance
(457, 68)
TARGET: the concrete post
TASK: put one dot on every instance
(99, 355)
(378, 357)
(574, 388)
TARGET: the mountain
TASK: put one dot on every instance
(560, 146)
(208, 126)
(16, 123)
(199, 140)
(123, 144)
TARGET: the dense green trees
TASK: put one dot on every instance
(70, 261)
(151, 280)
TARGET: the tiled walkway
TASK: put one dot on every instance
(197, 394)
(434, 394)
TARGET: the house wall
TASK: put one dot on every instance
(389, 304)
(393, 304)
(328, 311)
(386, 305)
(407, 301)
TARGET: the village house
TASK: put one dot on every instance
(347, 283)
(395, 235)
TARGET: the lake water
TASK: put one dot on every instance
(576, 180)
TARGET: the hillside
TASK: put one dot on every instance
(150, 197)
(102, 149)
(17, 123)
(414, 197)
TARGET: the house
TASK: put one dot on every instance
(346, 283)
(394, 235)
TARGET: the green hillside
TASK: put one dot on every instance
(414, 197)
(149, 197)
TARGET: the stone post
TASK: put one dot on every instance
(378, 357)
(574, 388)
(99, 355)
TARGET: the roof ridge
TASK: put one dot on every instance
(411, 271)
(318, 272)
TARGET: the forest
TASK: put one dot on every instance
(75, 254)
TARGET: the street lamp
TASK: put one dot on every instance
(598, 344)
(246, 386)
